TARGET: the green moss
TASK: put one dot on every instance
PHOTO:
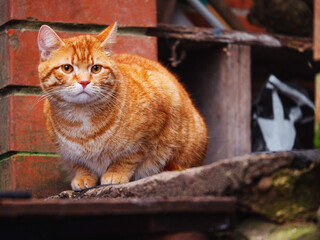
(6, 156)
(253, 229)
(4, 159)
(20, 91)
(294, 194)
(37, 154)
(316, 140)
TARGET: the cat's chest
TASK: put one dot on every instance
(77, 123)
(77, 131)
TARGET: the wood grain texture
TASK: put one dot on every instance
(317, 112)
(316, 31)
(221, 83)
(222, 178)
(104, 219)
(126, 13)
(210, 35)
(128, 206)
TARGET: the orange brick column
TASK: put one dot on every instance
(27, 156)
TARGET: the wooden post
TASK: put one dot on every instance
(219, 79)
(228, 110)
(317, 113)
(316, 56)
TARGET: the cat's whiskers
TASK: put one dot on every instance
(45, 94)
(102, 92)
(110, 102)
(111, 99)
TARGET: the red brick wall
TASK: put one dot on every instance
(24, 143)
(241, 9)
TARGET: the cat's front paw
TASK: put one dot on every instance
(113, 178)
(83, 182)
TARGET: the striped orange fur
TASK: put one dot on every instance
(115, 117)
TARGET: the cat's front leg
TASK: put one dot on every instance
(121, 170)
(84, 178)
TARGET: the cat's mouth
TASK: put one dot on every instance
(81, 97)
(83, 93)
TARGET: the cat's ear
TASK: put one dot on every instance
(108, 37)
(48, 41)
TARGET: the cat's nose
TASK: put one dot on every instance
(84, 83)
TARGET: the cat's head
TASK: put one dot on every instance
(79, 69)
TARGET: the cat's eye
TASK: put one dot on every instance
(67, 68)
(96, 69)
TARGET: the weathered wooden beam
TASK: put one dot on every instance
(225, 36)
(113, 218)
(221, 178)
(98, 207)
(316, 56)
(226, 101)
(279, 186)
(219, 79)
(316, 31)
(317, 112)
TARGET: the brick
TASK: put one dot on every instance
(41, 175)
(243, 4)
(19, 54)
(140, 13)
(23, 126)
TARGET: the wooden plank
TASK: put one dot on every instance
(230, 94)
(219, 78)
(210, 35)
(96, 207)
(316, 56)
(317, 112)
(316, 31)
(225, 177)
(131, 227)
(113, 218)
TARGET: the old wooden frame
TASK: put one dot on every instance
(219, 69)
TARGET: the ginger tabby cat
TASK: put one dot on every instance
(115, 117)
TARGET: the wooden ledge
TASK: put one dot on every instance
(98, 207)
(197, 34)
(114, 218)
